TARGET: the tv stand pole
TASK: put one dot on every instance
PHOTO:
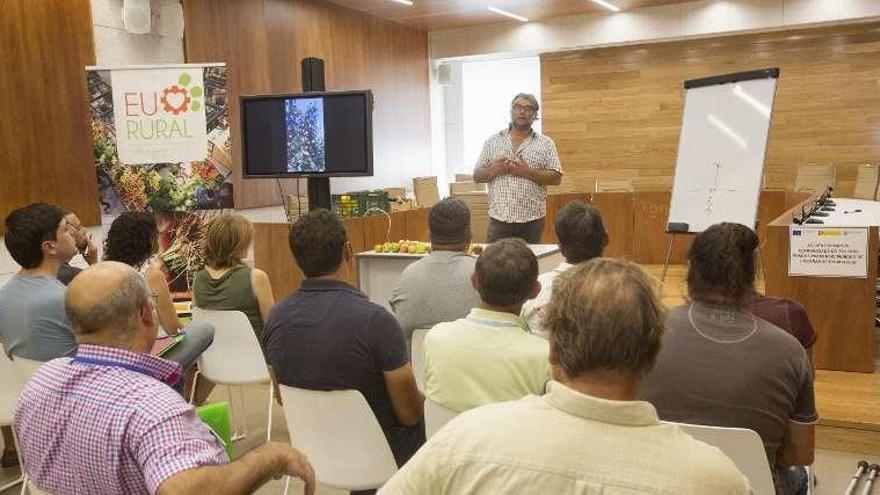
(313, 80)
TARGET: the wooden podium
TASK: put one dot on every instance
(841, 309)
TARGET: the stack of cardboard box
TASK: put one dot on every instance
(426, 191)
(478, 202)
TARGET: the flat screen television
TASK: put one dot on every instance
(319, 134)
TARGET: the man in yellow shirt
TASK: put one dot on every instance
(490, 355)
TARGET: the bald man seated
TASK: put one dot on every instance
(106, 421)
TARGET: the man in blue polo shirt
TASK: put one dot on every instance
(328, 336)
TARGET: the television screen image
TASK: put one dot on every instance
(320, 134)
(305, 134)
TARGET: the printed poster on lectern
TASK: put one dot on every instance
(161, 145)
(828, 252)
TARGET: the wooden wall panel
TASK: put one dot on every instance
(263, 41)
(45, 145)
(619, 217)
(616, 112)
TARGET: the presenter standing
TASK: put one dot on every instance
(518, 164)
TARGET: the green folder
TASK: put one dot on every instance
(216, 416)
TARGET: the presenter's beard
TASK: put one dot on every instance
(521, 124)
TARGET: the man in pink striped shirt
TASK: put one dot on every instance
(106, 421)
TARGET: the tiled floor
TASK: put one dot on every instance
(833, 469)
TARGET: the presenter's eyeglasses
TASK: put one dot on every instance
(523, 108)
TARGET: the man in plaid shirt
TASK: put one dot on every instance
(107, 421)
(519, 164)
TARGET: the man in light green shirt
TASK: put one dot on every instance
(490, 355)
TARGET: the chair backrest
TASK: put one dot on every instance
(339, 433)
(866, 182)
(814, 178)
(418, 356)
(436, 416)
(235, 356)
(744, 447)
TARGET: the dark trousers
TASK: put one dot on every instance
(527, 231)
(404, 442)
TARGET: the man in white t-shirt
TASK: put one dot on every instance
(582, 237)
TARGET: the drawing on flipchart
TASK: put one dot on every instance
(714, 189)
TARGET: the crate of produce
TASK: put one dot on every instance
(345, 205)
(359, 203)
(370, 200)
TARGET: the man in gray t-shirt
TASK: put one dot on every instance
(32, 320)
(437, 288)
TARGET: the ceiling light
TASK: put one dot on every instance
(405, 2)
(609, 6)
(508, 14)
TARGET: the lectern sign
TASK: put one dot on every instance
(828, 252)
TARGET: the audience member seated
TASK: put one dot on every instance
(84, 245)
(720, 365)
(784, 313)
(32, 320)
(227, 283)
(133, 239)
(327, 335)
(588, 434)
(582, 237)
(105, 421)
(490, 356)
(437, 288)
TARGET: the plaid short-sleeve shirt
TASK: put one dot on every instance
(515, 199)
(104, 422)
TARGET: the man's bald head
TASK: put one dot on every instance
(106, 297)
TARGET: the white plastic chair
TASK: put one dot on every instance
(436, 416)
(418, 356)
(744, 447)
(234, 359)
(10, 390)
(339, 433)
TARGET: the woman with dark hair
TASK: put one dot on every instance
(133, 239)
(721, 365)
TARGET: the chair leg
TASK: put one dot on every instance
(20, 479)
(286, 484)
(234, 415)
(243, 409)
(269, 421)
(192, 393)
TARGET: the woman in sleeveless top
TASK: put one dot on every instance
(227, 283)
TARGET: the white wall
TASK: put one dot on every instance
(114, 46)
(669, 22)
(487, 89)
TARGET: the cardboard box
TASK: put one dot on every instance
(426, 191)
(464, 177)
(456, 188)
(396, 192)
(405, 205)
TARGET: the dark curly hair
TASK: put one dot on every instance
(722, 264)
(26, 229)
(132, 239)
(581, 232)
(317, 241)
